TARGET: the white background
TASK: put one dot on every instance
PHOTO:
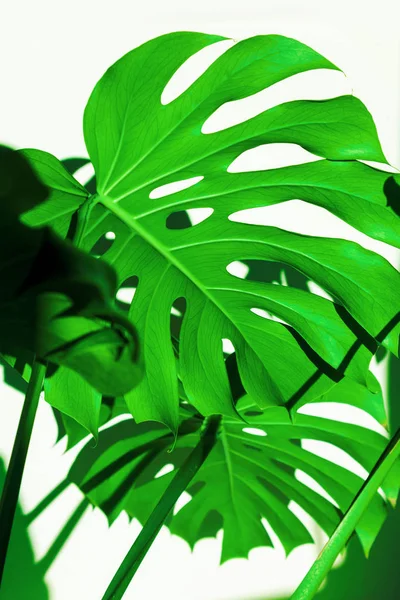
(51, 55)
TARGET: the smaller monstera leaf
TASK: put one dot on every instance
(249, 475)
(57, 301)
(65, 195)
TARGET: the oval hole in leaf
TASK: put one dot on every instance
(264, 314)
(194, 216)
(271, 156)
(227, 346)
(183, 499)
(192, 69)
(254, 431)
(103, 244)
(126, 292)
(267, 271)
(164, 470)
(174, 187)
(309, 85)
(238, 269)
(178, 310)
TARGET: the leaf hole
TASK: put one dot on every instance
(103, 244)
(126, 292)
(274, 272)
(178, 310)
(309, 85)
(271, 156)
(227, 346)
(174, 187)
(264, 314)
(193, 68)
(254, 431)
(238, 269)
(183, 499)
(194, 216)
(164, 470)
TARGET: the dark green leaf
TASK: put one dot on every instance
(56, 301)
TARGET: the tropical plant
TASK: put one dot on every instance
(227, 424)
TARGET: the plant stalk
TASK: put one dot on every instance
(15, 469)
(82, 215)
(146, 537)
(323, 564)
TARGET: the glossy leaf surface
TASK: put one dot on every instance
(138, 145)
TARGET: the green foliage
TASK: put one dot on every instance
(137, 144)
(312, 348)
(57, 301)
(339, 538)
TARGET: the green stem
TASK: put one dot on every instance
(146, 537)
(83, 214)
(15, 469)
(321, 567)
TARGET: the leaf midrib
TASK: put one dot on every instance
(132, 223)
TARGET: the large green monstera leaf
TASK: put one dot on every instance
(249, 475)
(137, 144)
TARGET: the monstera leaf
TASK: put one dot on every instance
(138, 146)
(249, 475)
(57, 302)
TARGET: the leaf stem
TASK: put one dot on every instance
(15, 469)
(323, 564)
(146, 537)
(82, 218)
